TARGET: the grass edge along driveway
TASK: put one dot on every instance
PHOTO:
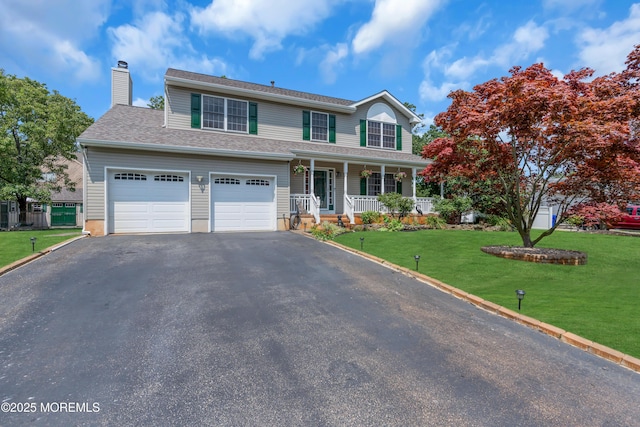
(597, 301)
(15, 245)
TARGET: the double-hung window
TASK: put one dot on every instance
(381, 135)
(374, 184)
(224, 114)
(319, 126)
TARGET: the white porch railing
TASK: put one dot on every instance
(425, 204)
(315, 208)
(309, 204)
(366, 203)
(348, 209)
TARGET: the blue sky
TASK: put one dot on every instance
(419, 50)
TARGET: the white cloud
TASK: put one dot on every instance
(392, 22)
(268, 22)
(525, 41)
(569, 5)
(50, 34)
(605, 50)
(139, 102)
(332, 62)
(157, 41)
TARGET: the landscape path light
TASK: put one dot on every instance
(33, 244)
(520, 294)
(361, 243)
(417, 258)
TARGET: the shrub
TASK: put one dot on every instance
(370, 217)
(394, 202)
(327, 231)
(435, 222)
(452, 209)
(392, 224)
(499, 221)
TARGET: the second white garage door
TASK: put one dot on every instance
(242, 203)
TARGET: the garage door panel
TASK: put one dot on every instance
(238, 206)
(139, 203)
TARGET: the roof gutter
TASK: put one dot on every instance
(347, 109)
(360, 159)
(185, 150)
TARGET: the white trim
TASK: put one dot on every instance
(311, 113)
(134, 169)
(85, 180)
(226, 114)
(413, 117)
(186, 150)
(332, 190)
(236, 174)
(377, 161)
(291, 100)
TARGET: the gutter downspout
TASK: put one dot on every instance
(84, 191)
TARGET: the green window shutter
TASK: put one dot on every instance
(332, 128)
(399, 187)
(44, 207)
(253, 118)
(195, 110)
(363, 186)
(306, 125)
(398, 137)
(363, 133)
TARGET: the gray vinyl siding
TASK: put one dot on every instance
(100, 158)
(121, 86)
(284, 122)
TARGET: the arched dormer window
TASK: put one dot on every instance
(382, 129)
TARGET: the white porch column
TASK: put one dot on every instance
(345, 174)
(312, 189)
(382, 172)
(413, 184)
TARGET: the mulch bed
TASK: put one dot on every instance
(540, 255)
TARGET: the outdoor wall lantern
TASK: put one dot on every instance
(361, 243)
(33, 244)
(520, 293)
(199, 178)
(417, 258)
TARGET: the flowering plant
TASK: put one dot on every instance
(365, 173)
(399, 176)
(299, 168)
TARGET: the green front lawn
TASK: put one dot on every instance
(15, 245)
(598, 301)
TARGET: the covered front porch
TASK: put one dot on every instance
(321, 187)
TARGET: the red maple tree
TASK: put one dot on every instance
(544, 140)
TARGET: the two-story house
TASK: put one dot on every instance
(227, 155)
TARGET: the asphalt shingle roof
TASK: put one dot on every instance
(274, 90)
(143, 126)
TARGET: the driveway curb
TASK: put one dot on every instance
(596, 349)
(28, 259)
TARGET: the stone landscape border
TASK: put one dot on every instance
(539, 255)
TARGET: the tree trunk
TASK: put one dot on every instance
(526, 238)
(22, 208)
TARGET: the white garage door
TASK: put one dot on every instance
(148, 202)
(242, 203)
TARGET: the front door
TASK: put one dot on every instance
(320, 187)
(323, 188)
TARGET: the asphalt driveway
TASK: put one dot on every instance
(275, 329)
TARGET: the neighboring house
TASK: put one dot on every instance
(223, 156)
(65, 210)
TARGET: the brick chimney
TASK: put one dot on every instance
(121, 84)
